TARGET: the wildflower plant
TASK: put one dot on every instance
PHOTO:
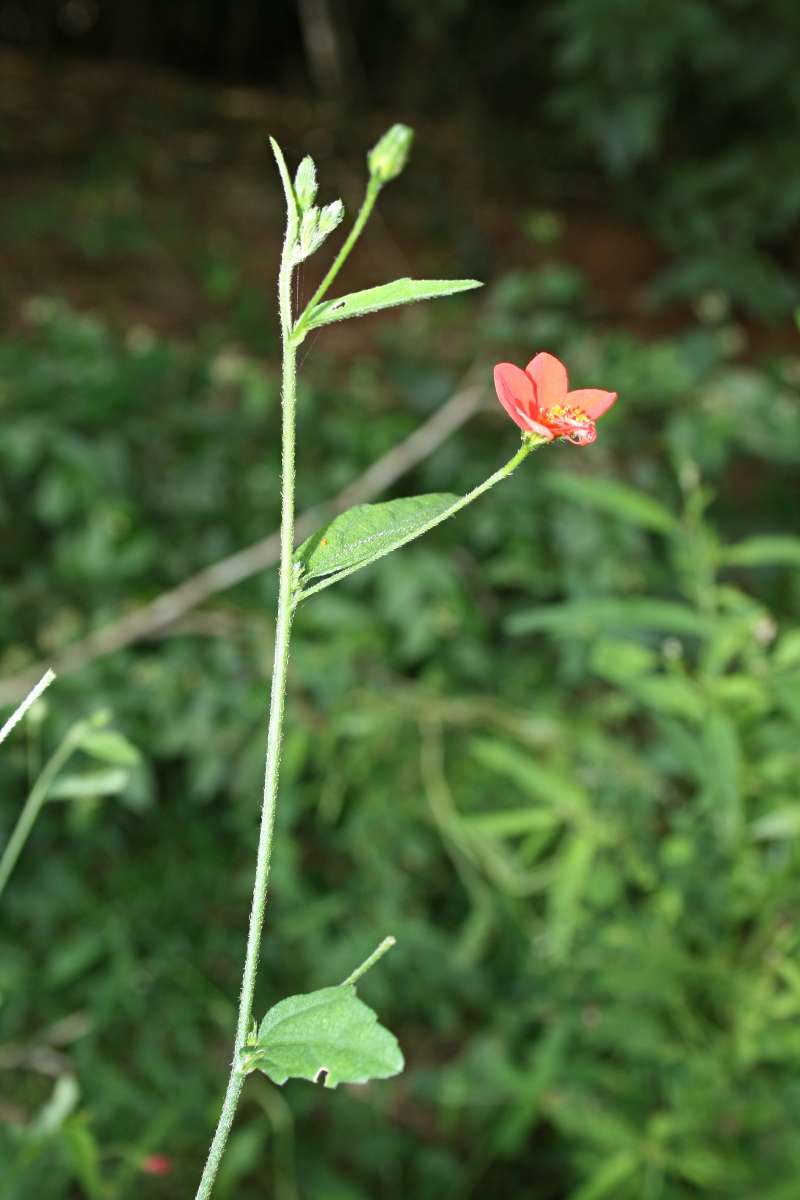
(330, 1036)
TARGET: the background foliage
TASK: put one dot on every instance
(680, 113)
(553, 748)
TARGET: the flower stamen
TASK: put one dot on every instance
(572, 423)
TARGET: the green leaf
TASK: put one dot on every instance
(542, 784)
(508, 822)
(366, 530)
(608, 1178)
(305, 183)
(92, 783)
(61, 1103)
(109, 746)
(669, 694)
(571, 877)
(770, 550)
(83, 1153)
(589, 617)
(778, 825)
(723, 766)
(387, 295)
(328, 1037)
(619, 499)
(620, 660)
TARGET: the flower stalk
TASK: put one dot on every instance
(283, 629)
(538, 402)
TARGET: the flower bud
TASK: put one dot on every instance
(305, 184)
(388, 157)
(331, 216)
(315, 226)
(307, 236)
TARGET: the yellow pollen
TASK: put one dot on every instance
(559, 413)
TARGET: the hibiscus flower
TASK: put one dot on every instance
(538, 400)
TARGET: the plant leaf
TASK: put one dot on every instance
(608, 1178)
(616, 498)
(387, 295)
(110, 746)
(777, 825)
(108, 782)
(366, 530)
(571, 877)
(508, 822)
(328, 1037)
(768, 550)
(590, 617)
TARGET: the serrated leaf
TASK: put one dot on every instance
(618, 499)
(366, 530)
(387, 295)
(110, 746)
(328, 1037)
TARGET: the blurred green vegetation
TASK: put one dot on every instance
(553, 748)
(679, 114)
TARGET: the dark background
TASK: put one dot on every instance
(553, 747)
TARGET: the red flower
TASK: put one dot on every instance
(157, 1164)
(538, 401)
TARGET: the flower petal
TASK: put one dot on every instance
(550, 376)
(514, 391)
(593, 401)
(534, 427)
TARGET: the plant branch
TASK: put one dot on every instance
(369, 962)
(283, 624)
(503, 472)
(31, 698)
(367, 205)
(36, 798)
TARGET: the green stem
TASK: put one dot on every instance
(31, 698)
(368, 963)
(530, 443)
(367, 205)
(283, 627)
(36, 798)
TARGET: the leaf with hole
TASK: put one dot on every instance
(368, 530)
(328, 1037)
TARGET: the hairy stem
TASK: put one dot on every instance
(367, 205)
(31, 698)
(283, 628)
(369, 963)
